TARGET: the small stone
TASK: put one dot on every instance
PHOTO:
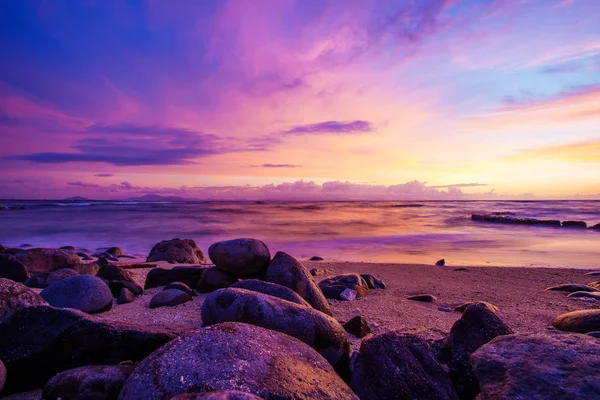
(126, 296)
(92, 382)
(169, 298)
(180, 286)
(315, 258)
(372, 282)
(484, 304)
(593, 273)
(214, 278)
(348, 294)
(320, 272)
(115, 251)
(585, 295)
(440, 263)
(460, 269)
(426, 298)
(582, 321)
(570, 287)
(574, 224)
(357, 326)
(445, 309)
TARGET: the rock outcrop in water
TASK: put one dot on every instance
(504, 219)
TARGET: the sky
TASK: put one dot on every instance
(300, 99)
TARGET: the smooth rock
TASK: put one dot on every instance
(570, 287)
(86, 268)
(184, 251)
(315, 258)
(593, 273)
(85, 383)
(232, 356)
(240, 257)
(460, 269)
(70, 248)
(112, 272)
(169, 298)
(217, 395)
(271, 289)
(115, 251)
(595, 227)
(595, 285)
(39, 342)
(485, 304)
(40, 260)
(320, 272)
(372, 282)
(333, 287)
(476, 327)
(538, 367)
(357, 326)
(213, 279)
(45, 279)
(574, 224)
(126, 296)
(581, 321)
(425, 298)
(591, 295)
(318, 330)
(348, 294)
(16, 296)
(116, 287)
(396, 365)
(82, 292)
(161, 276)
(285, 270)
(440, 263)
(595, 334)
(13, 269)
(180, 286)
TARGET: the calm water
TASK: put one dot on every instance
(419, 232)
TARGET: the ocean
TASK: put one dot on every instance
(395, 232)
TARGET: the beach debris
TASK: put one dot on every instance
(485, 304)
(316, 258)
(357, 326)
(39, 260)
(320, 272)
(425, 298)
(240, 257)
(82, 292)
(538, 366)
(272, 289)
(574, 224)
(184, 251)
(348, 294)
(372, 282)
(44, 279)
(396, 365)
(169, 298)
(333, 287)
(126, 296)
(233, 356)
(582, 321)
(13, 269)
(476, 327)
(162, 276)
(217, 395)
(572, 287)
(91, 382)
(285, 270)
(15, 296)
(440, 263)
(214, 278)
(66, 339)
(180, 286)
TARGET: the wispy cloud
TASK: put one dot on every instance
(276, 166)
(585, 151)
(104, 175)
(83, 184)
(331, 127)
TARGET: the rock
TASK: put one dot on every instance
(538, 366)
(70, 248)
(357, 326)
(504, 219)
(214, 278)
(240, 257)
(595, 285)
(2, 375)
(593, 273)
(13, 250)
(180, 286)
(169, 298)
(395, 365)
(87, 268)
(285, 270)
(44, 279)
(440, 263)
(444, 309)
(348, 295)
(84, 383)
(117, 286)
(39, 342)
(13, 269)
(460, 269)
(271, 289)
(569, 287)
(184, 251)
(82, 292)
(484, 304)
(372, 282)
(115, 251)
(40, 260)
(590, 295)
(476, 327)
(320, 272)
(595, 334)
(233, 356)
(581, 321)
(79, 253)
(161, 276)
(318, 330)
(105, 259)
(126, 296)
(315, 258)
(15, 296)
(217, 395)
(426, 298)
(139, 265)
(596, 227)
(111, 272)
(574, 224)
(333, 287)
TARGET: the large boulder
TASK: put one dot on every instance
(45, 279)
(214, 278)
(85, 383)
(476, 327)
(217, 395)
(39, 342)
(236, 356)
(183, 251)
(13, 269)
(333, 287)
(15, 296)
(82, 292)
(318, 330)
(582, 321)
(169, 298)
(395, 365)
(240, 257)
(40, 260)
(271, 289)
(161, 276)
(538, 367)
(111, 272)
(285, 270)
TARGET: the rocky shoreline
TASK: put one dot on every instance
(256, 325)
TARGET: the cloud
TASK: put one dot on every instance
(276, 166)
(331, 127)
(104, 175)
(583, 152)
(459, 185)
(83, 184)
(569, 93)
